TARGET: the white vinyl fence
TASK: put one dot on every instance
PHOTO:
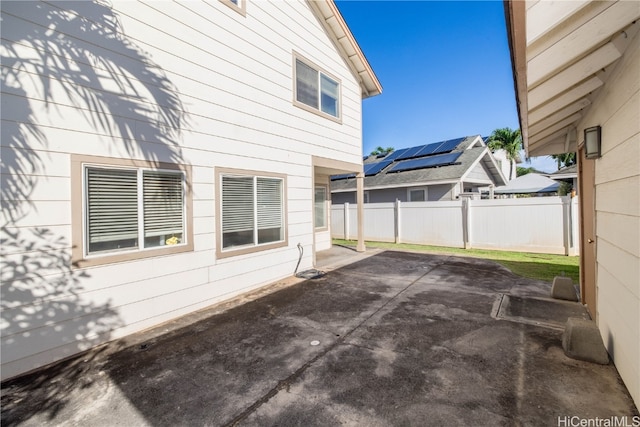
(539, 224)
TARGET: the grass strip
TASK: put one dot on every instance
(534, 266)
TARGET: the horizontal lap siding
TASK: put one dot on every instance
(233, 78)
(617, 179)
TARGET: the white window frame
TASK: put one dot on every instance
(239, 6)
(221, 251)
(325, 211)
(317, 109)
(140, 211)
(424, 190)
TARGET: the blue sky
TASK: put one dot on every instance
(444, 67)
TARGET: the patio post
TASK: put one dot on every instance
(360, 200)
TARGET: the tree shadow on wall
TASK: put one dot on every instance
(56, 56)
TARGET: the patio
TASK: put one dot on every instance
(385, 338)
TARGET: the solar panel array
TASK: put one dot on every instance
(426, 162)
(374, 168)
(420, 157)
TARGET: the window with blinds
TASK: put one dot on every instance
(316, 89)
(129, 209)
(252, 210)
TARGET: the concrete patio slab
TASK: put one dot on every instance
(393, 338)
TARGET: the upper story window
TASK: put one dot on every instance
(129, 209)
(316, 89)
(239, 6)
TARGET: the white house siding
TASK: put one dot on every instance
(233, 77)
(386, 195)
(617, 184)
(441, 192)
(479, 173)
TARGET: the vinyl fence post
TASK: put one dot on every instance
(346, 221)
(566, 223)
(466, 223)
(396, 217)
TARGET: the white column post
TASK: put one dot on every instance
(360, 200)
(346, 220)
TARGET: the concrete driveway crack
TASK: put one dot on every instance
(287, 382)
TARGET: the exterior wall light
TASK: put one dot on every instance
(593, 142)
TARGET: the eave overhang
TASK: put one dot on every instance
(335, 26)
(562, 54)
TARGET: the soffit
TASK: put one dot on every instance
(562, 54)
(330, 17)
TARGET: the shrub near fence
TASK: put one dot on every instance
(539, 224)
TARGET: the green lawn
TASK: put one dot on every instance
(535, 266)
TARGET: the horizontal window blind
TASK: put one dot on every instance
(112, 205)
(269, 203)
(163, 203)
(237, 204)
(306, 84)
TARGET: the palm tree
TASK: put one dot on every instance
(566, 159)
(508, 140)
(380, 150)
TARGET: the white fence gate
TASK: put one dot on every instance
(540, 224)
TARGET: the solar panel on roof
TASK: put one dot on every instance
(395, 154)
(428, 149)
(449, 145)
(374, 168)
(410, 153)
(343, 176)
(426, 162)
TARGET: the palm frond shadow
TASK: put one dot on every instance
(57, 56)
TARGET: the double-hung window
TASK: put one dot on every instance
(129, 209)
(252, 212)
(316, 89)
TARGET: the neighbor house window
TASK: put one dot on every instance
(252, 212)
(418, 195)
(129, 209)
(320, 207)
(316, 89)
(239, 6)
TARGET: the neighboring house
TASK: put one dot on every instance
(161, 157)
(532, 184)
(438, 171)
(505, 164)
(567, 174)
(576, 67)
